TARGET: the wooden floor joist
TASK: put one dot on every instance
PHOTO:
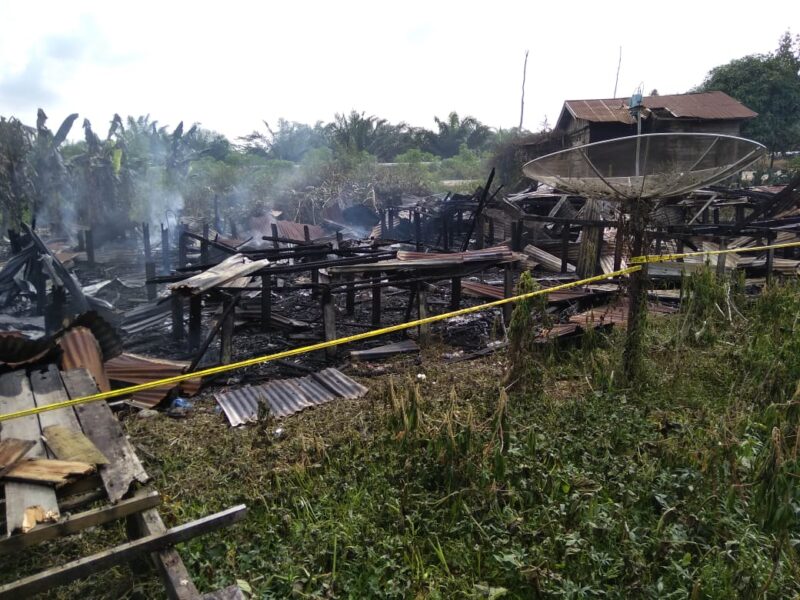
(80, 521)
(124, 552)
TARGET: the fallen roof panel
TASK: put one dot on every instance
(285, 397)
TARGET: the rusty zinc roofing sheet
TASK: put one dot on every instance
(17, 350)
(82, 351)
(285, 397)
(705, 105)
(134, 368)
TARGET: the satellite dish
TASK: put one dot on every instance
(643, 167)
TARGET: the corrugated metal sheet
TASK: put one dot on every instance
(231, 272)
(285, 397)
(706, 105)
(17, 350)
(134, 368)
(432, 260)
(495, 253)
(286, 229)
(82, 351)
(108, 338)
(483, 290)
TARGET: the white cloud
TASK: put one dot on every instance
(230, 65)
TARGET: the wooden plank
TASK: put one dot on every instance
(103, 429)
(69, 444)
(48, 389)
(78, 522)
(48, 470)
(124, 552)
(174, 574)
(21, 498)
(12, 450)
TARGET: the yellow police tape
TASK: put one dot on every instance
(305, 349)
(654, 258)
(636, 261)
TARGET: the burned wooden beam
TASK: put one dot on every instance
(88, 565)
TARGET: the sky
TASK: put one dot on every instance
(232, 65)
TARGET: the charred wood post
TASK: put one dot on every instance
(715, 215)
(659, 239)
(89, 237)
(418, 230)
(234, 232)
(770, 256)
(390, 220)
(739, 214)
(376, 301)
(618, 244)
(328, 320)
(54, 317)
(591, 239)
(195, 320)
(182, 242)
(213, 333)
(274, 228)
(384, 227)
(165, 249)
(723, 245)
(508, 291)
(350, 298)
(39, 281)
(445, 232)
(217, 224)
(81, 241)
(148, 252)
(226, 334)
(565, 247)
(149, 276)
(459, 222)
(455, 293)
(177, 317)
(204, 259)
(491, 231)
(16, 246)
(480, 229)
(422, 311)
(314, 272)
(266, 302)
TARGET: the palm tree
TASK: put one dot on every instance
(453, 132)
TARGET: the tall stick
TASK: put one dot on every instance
(522, 102)
(619, 64)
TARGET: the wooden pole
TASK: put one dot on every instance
(350, 298)
(418, 230)
(376, 302)
(177, 317)
(149, 275)
(148, 253)
(165, 249)
(195, 320)
(329, 321)
(266, 302)
(422, 310)
(508, 291)
(455, 293)
(226, 335)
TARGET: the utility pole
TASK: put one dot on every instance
(619, 64)
(522, 103)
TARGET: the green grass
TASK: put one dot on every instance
(447, 488)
